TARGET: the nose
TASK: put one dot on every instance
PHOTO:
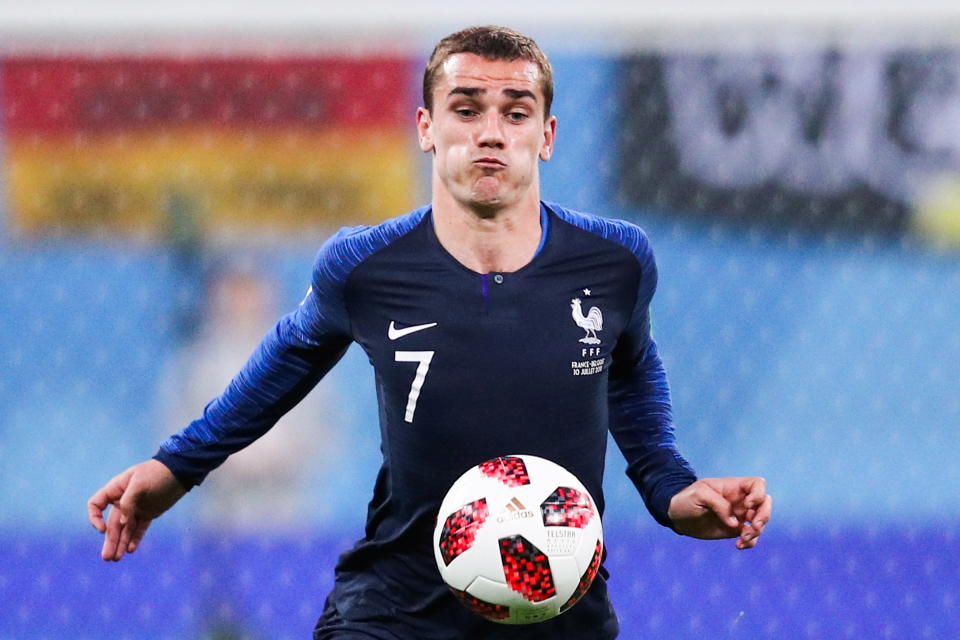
(491, 133)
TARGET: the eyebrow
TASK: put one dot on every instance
(473, 92)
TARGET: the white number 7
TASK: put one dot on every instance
(424, 358)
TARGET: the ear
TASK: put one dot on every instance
(424, 133)
(549, 137)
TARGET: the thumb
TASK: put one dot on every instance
(715, 502)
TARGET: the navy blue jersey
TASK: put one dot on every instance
(469, 366)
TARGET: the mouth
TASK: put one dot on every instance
(490, 163)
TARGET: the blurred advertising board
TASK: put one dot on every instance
(822, 138)
(240, 147)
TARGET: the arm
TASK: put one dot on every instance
(286, 365)
(641, 423)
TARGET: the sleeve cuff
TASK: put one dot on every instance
(660, 500)
(184, 477)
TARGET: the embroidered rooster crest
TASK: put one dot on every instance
(591, 323)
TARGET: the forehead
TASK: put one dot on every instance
(473, 71)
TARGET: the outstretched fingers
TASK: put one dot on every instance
(758, 515)
(95, 508)
(108, 494)
(98, 503)
(765, 511)
(111, 543)
(127, 528)
(756, 492)
(138, 532)
(116, 525)
(713, 500)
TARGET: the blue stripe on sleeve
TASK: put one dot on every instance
(287, 363)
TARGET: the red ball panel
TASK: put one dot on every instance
(526, 569)
(587, 579)
(567, 507)
(460, 529)
(510, 470)
(483, 608)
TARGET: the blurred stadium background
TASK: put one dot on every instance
(167, 173)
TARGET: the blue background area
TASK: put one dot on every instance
(831, 368)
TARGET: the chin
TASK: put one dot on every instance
(486, 208)
(484, 201)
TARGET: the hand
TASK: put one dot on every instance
(138, 495)
(714, 508)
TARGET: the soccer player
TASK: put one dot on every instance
(496, 323)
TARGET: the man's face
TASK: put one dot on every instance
(487, 130)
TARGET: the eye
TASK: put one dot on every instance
(517, 116)
(464, 112)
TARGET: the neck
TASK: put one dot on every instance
(486, 240)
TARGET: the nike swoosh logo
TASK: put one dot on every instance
(393, 333)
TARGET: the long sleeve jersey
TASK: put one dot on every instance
(468, 366)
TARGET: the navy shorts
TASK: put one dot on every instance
(446, 619)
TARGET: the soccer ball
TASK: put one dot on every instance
(518, 539)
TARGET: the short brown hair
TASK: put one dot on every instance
(492, 43)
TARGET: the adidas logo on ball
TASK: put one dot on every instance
(513, 511)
